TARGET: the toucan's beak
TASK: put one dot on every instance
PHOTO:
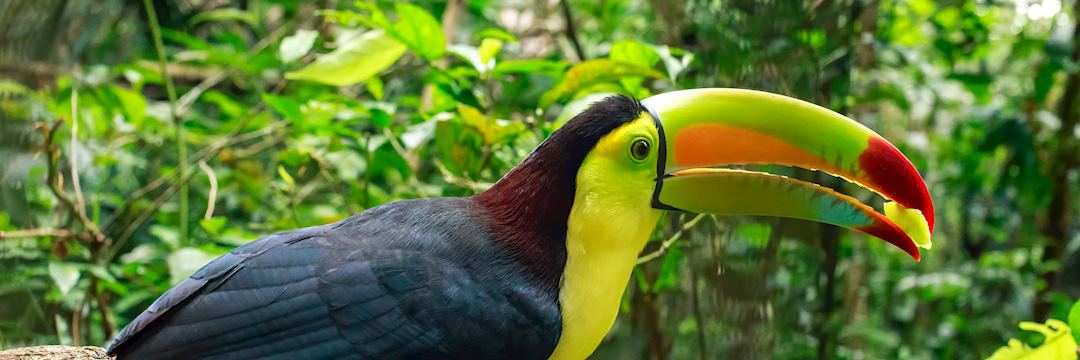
(704, 129)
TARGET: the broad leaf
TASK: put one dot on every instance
(64, 275)
(419, 31)
(286, 107)
(634, 52)
(297, 45)
(184, 262)
(542, 67)
(593, 72)
(355, 61)
(227, 14)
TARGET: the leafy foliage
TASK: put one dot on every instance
(297, 115)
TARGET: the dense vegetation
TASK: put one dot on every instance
(137, 148)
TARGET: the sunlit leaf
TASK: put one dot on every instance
(531, 66)
(185, 261)
(591, 72)
(634, 52)
(375, 87)
(297, 45)
(675, 60)
(496, 33)
(286, 107)
(65, 275)
(489, 47)
(1058, 344)
(419, 31)
(470, 54)
(213, 225)
(356, 61)
(290, 183)
(227, 14)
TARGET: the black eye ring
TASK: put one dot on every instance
(639, 149)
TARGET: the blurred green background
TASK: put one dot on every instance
(115, 184)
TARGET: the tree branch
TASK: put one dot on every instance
(670, 241)
(571, 31)
(53, 180)
(32, 233)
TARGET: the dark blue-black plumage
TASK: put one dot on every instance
(413, 279)
(451, 278)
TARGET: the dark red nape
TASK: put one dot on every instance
(898, 180)
(531, 204)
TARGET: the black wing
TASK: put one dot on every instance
(321, 293)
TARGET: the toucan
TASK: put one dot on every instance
(535, 266)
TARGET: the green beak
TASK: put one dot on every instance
(704, 129)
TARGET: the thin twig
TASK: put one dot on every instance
(409, 157)
(211, 198)
(571, 31)
(181, 143)
(670, 241)
(460, 181)
(73, 160)
(54, 182)
(39, 232)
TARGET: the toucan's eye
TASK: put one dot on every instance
(639, 149)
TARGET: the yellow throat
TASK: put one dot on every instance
(609, 224)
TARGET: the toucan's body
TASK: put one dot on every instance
(534, 267)
(412, 279)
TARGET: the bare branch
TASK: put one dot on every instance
(670, 241)
(211, 198)
(32, 233)
(73, 160)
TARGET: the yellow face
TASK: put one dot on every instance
(610, 222)
(621, 168)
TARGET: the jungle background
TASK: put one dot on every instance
(136, 148)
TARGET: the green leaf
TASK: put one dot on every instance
(494, 131)
(592, 72)
(168, 235)
(419, 31)
(669, 278)
(542, 67)
(459, 146)
(213, 225)
(290, 183)
(488, 49)
(1074, 321)
(10, 89)
(634, 52)
(469, 54)
(286, 107)
(1044, 80)
(355, 61)
(375, 88)
(226, 14)
(184, 262)
(380, 118)
(65, 276)
(496, 33)
(675, 60)
(297, 45)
